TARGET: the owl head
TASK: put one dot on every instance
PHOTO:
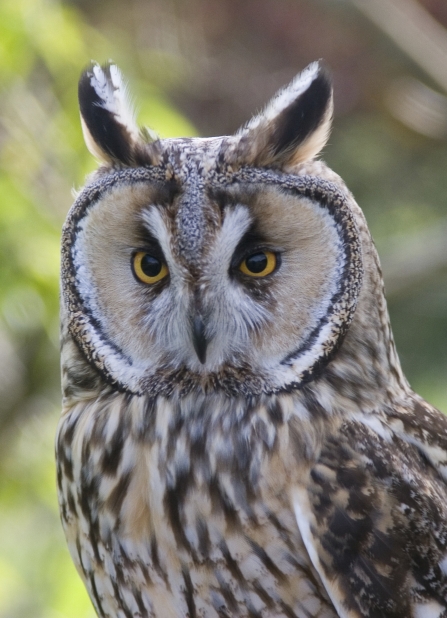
(221, 263)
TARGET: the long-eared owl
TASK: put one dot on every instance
(237, 437)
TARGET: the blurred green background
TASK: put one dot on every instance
(200, 67)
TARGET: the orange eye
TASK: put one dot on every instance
(148, 268)
(259, 264)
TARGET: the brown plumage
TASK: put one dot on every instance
(237, 436)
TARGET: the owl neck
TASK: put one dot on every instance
(366, 368)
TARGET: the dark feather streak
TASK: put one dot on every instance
(298, 121)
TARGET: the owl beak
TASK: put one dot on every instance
(199, 339)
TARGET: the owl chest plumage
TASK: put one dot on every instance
(185, 509)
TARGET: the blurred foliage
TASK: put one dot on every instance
(214, 62)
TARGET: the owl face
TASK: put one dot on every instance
(209, 262)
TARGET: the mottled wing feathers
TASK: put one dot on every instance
(374, 521)
(426, 428)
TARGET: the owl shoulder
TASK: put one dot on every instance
(374, 510)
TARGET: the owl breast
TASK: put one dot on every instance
(196, 525)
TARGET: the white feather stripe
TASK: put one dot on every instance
(428, 610)
(304, 515)
(285, 97)
(115, 97)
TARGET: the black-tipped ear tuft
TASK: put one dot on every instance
(294, 126)
(108, 121)
(303, 116)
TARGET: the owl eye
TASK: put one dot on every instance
(259, 264)
(148, 268)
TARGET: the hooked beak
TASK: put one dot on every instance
(199, 339)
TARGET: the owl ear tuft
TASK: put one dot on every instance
(294, 126)
(108, 119)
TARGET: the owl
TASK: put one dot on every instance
(237, 436)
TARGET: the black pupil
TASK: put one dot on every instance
(256, 263)
(150, 265)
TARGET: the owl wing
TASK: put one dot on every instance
(373, 515)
